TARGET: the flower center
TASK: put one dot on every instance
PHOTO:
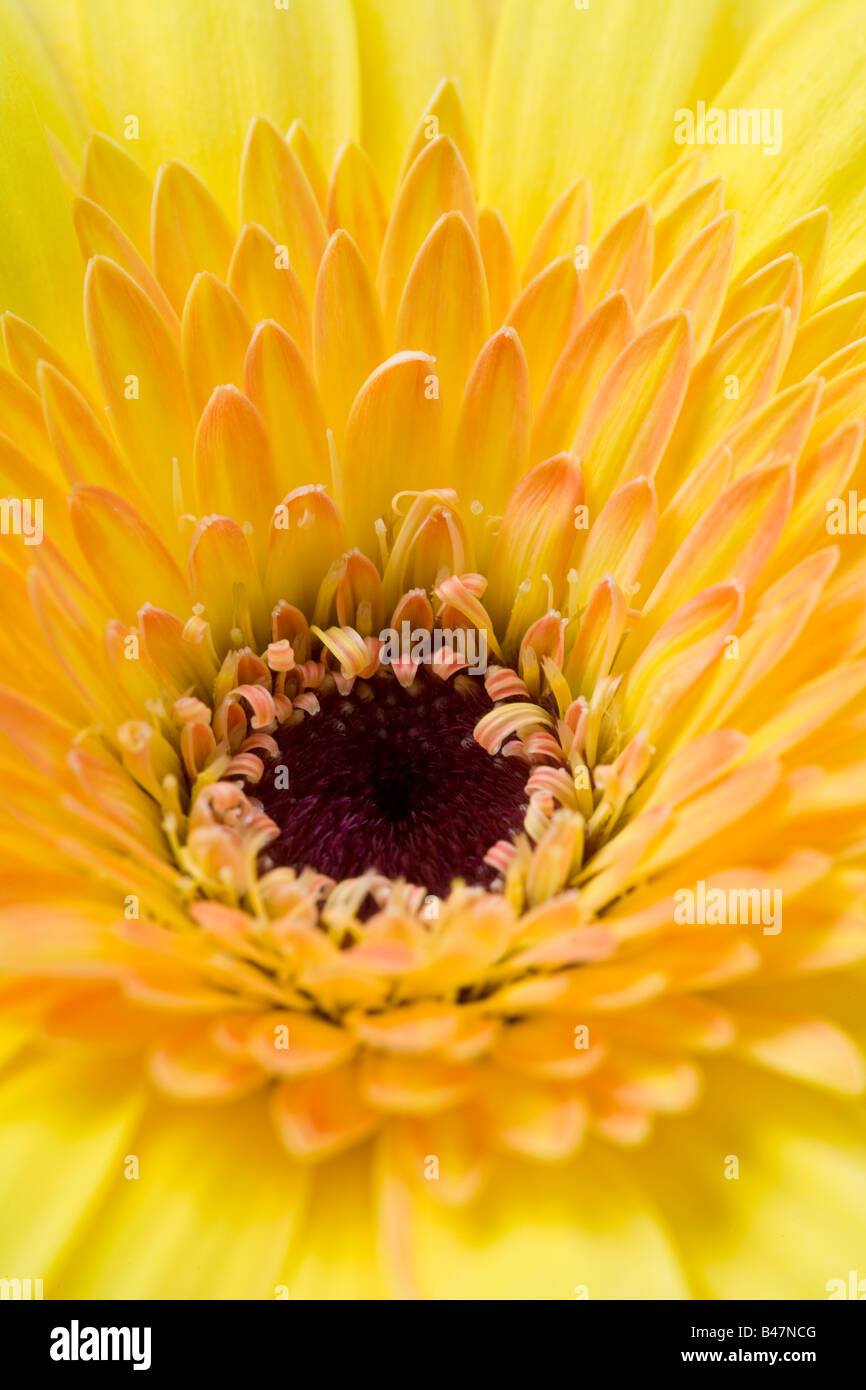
(392, 780)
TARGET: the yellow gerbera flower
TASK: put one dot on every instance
(433, 648)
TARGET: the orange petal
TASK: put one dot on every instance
(322, 1116)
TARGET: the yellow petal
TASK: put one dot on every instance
(267, 287)
(544, 317)
(348, 334)
(279, 384)
(732, 540)
(491, 447)
(140, 369)
(276, 192)
(111, 178)
(85, 1117)
(444, 114)
(737, 375)
(392, 441)
(444, 309)
(578, 374)
(224, 579)
(189, 232)
(246, 1245)
(535, 542)
(619, 539)
(129, 561)
(234, 473)
(99, 235)
(301, 143)
(770, 76)
(438, 182)
(40, 275)
(124, 60)
(561, 75)
(632, 416)
(355, 203)
(623, 258)
(416, 47)
(306, 537)
(697, 281)
(215, 333)
(500, 263)
(564, 231)
(680, 652)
